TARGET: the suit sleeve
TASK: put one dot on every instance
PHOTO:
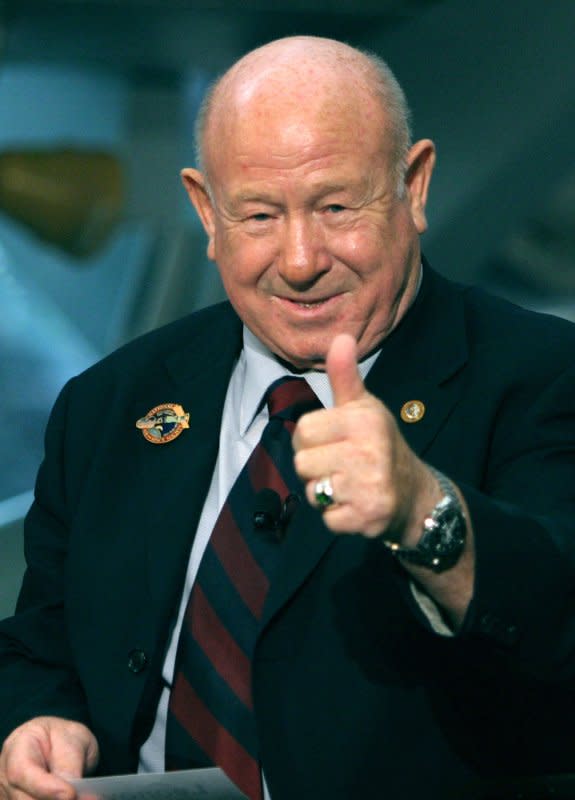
(37, 675)
(524, 522)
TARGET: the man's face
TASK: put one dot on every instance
(309, 232)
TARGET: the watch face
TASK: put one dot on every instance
(443, 539)
(449, 524)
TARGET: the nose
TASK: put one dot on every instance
(303, 257)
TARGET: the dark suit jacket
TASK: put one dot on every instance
(355, 695)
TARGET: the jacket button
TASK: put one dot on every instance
(137, 661)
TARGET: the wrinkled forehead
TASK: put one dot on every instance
(284, 107)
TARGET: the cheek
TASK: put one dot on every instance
(351, 250)
(362, 246)
(242, 279)
(242, 259)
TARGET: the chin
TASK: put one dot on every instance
(303, 361)
(302, 352)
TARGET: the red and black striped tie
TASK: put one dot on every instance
(211, 718)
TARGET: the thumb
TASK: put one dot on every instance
(341, 366)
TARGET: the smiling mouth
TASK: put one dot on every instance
(307, 308)
(308, 303)
(312, 304)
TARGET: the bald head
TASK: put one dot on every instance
(303, 74)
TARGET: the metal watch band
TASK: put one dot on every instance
(444, 532)
(445, 484)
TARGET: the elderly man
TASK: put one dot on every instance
(385, 610)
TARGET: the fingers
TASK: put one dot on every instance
(74, 753)
(28, 780)
(354, 510)
(38, 757)
(342, 371)
(313, 463)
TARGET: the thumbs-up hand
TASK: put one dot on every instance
(379, 484)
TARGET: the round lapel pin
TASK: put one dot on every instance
(164, 423)
(412, 411)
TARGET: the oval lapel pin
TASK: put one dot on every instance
(164, 423)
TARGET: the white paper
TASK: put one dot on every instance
(194, 784)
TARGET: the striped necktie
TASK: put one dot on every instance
(211, 717)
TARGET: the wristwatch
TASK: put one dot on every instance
(444, 532)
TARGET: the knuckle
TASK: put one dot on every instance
(331, 521)
(305, 466)
(300, 462)
(302, 430)
(14, 770)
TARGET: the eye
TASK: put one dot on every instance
(335, 208)
(261, 217)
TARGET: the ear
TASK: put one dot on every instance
(420, 163)
(196, 187)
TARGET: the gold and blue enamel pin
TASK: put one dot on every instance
(164, 423)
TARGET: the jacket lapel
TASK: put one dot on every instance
(420, 362)
(199, 376)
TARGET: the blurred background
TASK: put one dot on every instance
(97, 103)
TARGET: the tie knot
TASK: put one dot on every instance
(289, 398)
